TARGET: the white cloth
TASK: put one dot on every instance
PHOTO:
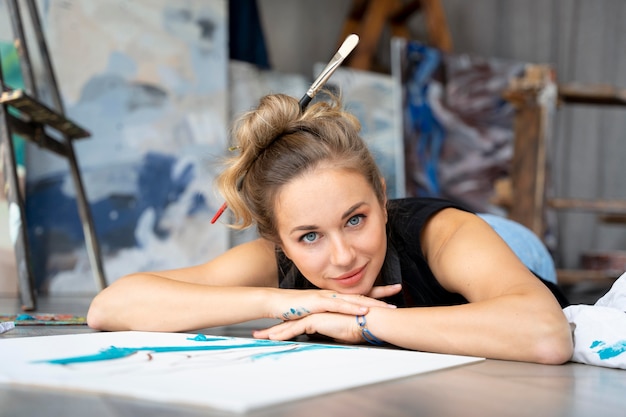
(599, 330)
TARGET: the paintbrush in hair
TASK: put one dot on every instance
(346, 48)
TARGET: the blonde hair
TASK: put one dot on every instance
(277, 142)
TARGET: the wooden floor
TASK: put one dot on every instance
(488, 388)
(77, 305)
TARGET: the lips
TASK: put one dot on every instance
(351, 278)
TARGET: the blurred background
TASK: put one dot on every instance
(443, 90)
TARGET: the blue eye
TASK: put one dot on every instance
(309, 237)
(355, 220)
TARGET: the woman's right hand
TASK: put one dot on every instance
(296, 304)
(384, 291)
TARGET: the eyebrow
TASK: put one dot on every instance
(344, 216)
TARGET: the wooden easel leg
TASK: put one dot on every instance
(368, 18)
(89, 232)
(532, 131)
(373, 20)
(437, 25)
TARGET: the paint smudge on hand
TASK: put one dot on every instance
(295, 313)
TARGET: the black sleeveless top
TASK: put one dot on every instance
(404, 262)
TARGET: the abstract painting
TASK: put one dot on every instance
(373, 99)
(457, 125)
(149, 80)
(233, 374)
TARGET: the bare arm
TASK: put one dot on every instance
(511, 314)
(194, 297)
(238, 286)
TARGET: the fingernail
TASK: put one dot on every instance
(363, 309)
(392, 306)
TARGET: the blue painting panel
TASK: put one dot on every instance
(148, 79)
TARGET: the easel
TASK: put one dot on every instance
(51, 130)
(529, 173)
(367, 18)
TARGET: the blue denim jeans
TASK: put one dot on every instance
(526, 245)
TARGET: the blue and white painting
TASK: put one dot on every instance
(148, 79)
(373, 99)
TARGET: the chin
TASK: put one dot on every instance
(354, 290)
(361, 289)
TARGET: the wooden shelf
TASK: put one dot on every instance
(574, 276)
(592, 94)
(32, 110)
(613, 218)
(608, 207)
(533, 96)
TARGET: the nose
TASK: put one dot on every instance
(342, 252)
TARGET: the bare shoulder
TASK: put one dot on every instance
(468, 257)
(441, 227)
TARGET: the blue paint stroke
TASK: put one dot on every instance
(157, 184)
(114, 352)
(297, 348)
(202, 338)
(608, 351)
(424, 127)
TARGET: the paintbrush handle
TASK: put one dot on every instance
(304, 101)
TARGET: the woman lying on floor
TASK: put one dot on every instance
(336, 258)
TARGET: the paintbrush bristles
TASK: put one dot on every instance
(346, 47)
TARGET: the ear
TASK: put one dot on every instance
(384, 186)
(280, 247)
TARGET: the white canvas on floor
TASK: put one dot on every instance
(233, 374)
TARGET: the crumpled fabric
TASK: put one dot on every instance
(599, 330)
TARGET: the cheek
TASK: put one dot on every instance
(377, 239)
(377, 247)
(309, 262)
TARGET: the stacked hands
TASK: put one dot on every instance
(325, 312)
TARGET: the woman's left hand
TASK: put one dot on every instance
(342, 328)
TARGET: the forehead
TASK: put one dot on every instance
(323, 193)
